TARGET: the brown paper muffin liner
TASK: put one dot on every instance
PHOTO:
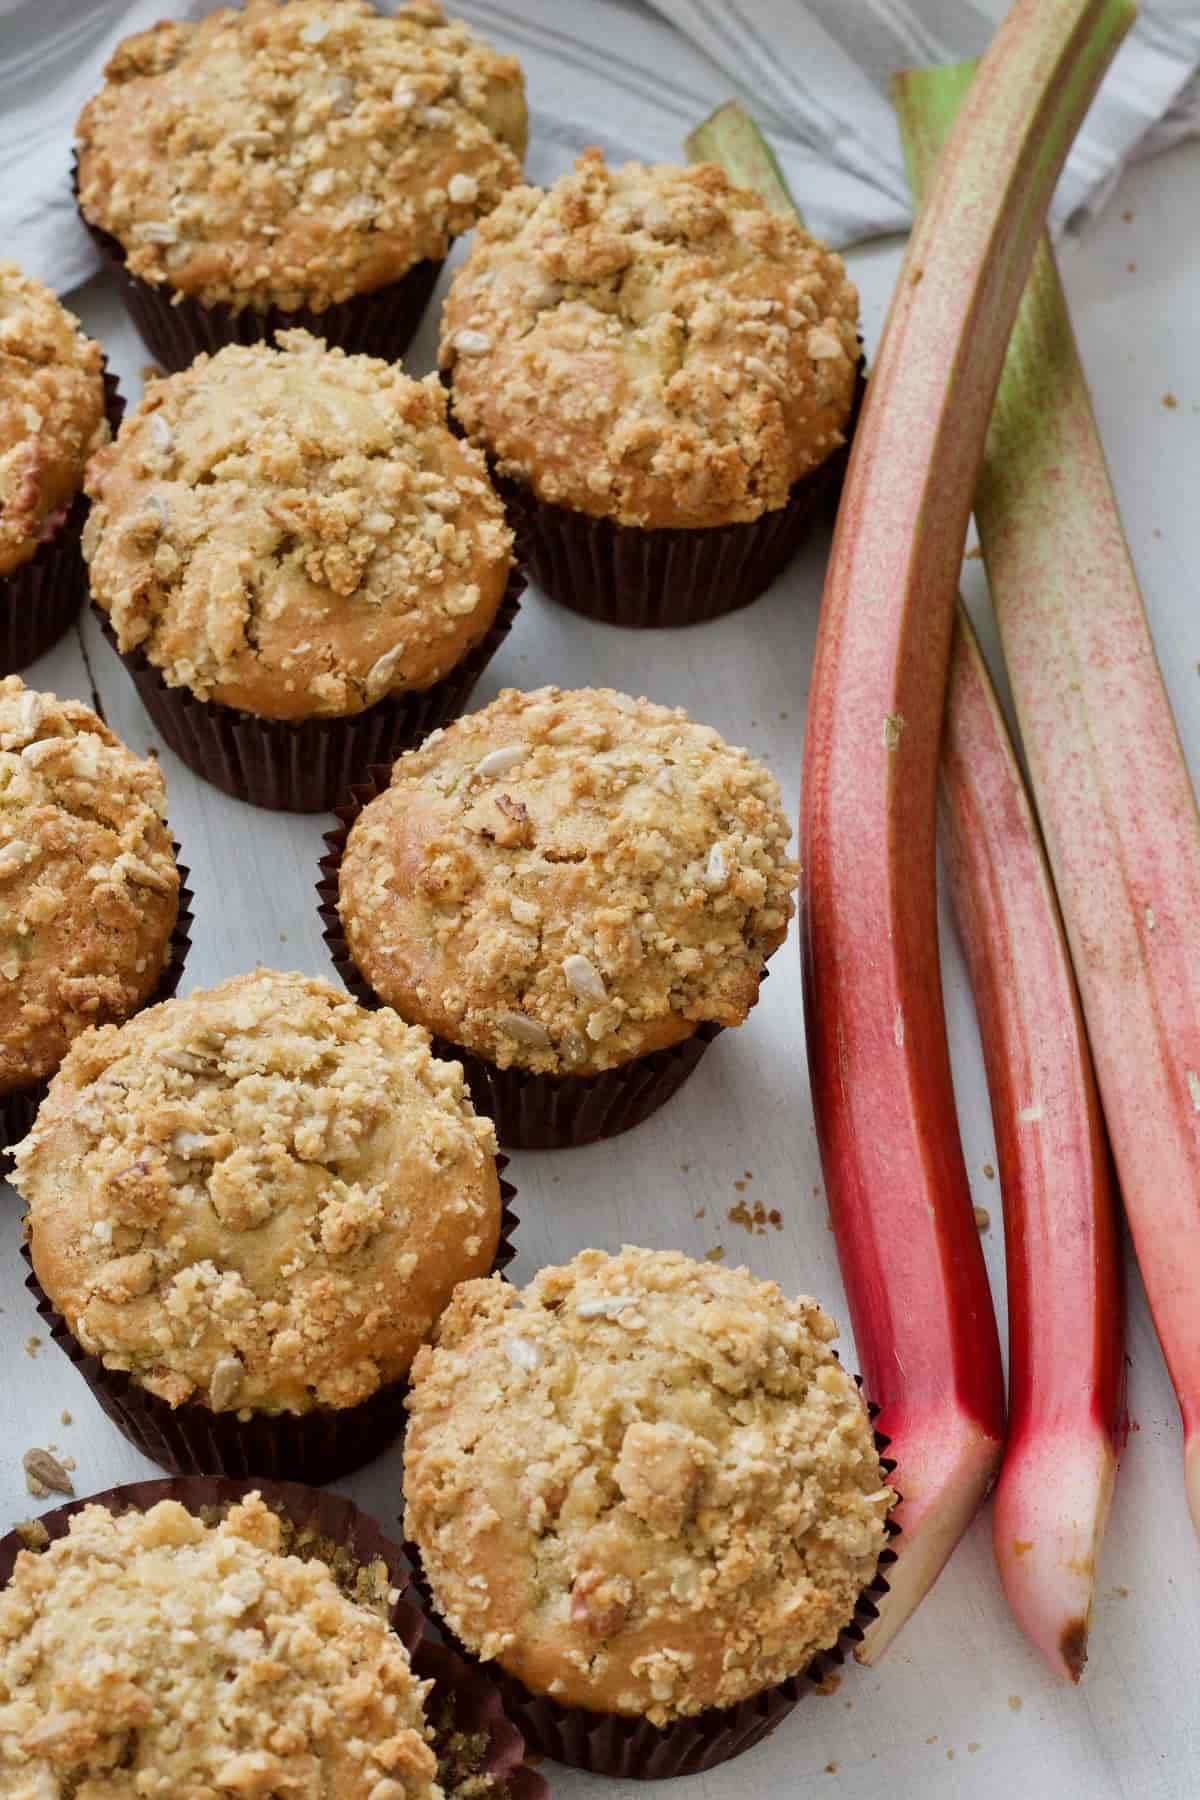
(18, 1108)
(175, 330)
(307, 765)
(613, 1744)
(316, 1447)
(630, 575)
(471, 1735)
(41, 599)
(530, 1112)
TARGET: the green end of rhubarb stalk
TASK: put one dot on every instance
(731, 138)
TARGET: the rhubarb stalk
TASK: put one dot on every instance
(1115, 802)
(882, 1093)
(1065, 1301)
(730, 137)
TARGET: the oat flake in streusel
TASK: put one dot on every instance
(159, 1656)
(295, 532)
(569, 879)
(642, 1484)
(259, 1196)
(297, 155)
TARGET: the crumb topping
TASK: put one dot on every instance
(651, 345)
(567, 880)
(642, 1484)
(89, 890)
(152, 1654)
(260, 1196)
(295, 531)
(51, 413)
(296, 155)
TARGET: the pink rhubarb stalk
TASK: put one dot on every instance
(914, 1273)
(1115, 802)
(1065, 1298)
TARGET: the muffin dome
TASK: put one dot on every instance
(51, 413)
(295, 532)
(567, 880)
(89, 890)
(643, 1485)
(156, 1654)
(651, 345)
(260, 1196)
(299, 154)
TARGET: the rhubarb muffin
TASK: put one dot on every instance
(305, 163)
(54, 413)
(89, 888)
(304, 568)
(574, 890)
(169, 1652)
(247, 1209)
(643, 1486)
(664, 373)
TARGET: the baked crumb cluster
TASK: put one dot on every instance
(567, 880)
(152, 1654)
(296, 155)
(295, 531)
(643, 1484)
(651, 345)
(260, 1196)
(89, 890)
(51, 413)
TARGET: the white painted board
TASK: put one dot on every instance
(960, 1707)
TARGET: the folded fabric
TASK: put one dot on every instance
(634, 78)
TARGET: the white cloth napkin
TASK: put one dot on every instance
(634, 76)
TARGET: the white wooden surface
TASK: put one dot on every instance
(961, 1706)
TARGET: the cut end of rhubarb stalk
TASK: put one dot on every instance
(1191, 1475)
(948, 1470)
(1047, 1528)
(731, 138)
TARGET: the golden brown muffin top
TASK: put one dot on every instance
(651, 345)
(51, 413)
(295, 531)
(296, 155)
(260, 1196)
(152, 1654)
(642, 1484)
(566, 880)
(89, 890)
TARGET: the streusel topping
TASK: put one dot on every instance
(569, 879)
(260, 1196)
(296, 155)
(651, 345)
(642, 1484)
(152, 1654)
(295, 531)
(51, 413)
(89, 890)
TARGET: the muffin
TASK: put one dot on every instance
(304, 568)
(664, 373)
(647, 1490)
(55, 410)
(573, 891)
(153, 1652)
(307, 163)
(247, 1209)
(90, 920)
